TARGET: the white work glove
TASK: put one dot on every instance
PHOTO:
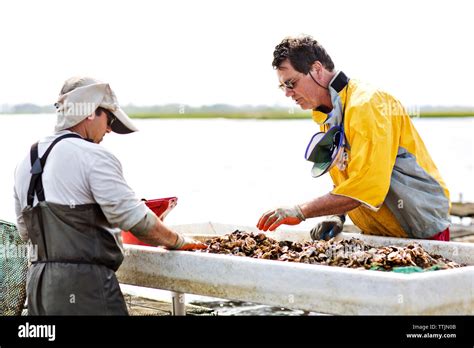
(285, 215)
(186, 243)
(328, 228)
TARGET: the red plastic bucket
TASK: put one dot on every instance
(161, 207)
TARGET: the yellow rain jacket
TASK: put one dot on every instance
(389, 169)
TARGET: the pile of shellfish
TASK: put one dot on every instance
(352, 253)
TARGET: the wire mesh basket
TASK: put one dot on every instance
(13, 269)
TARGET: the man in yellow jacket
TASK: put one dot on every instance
(384, 177)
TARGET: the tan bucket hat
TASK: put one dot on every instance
(81, 96)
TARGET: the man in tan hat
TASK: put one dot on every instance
(72, 202)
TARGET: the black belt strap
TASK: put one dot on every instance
(37, 166)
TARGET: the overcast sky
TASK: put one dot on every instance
(206, 52)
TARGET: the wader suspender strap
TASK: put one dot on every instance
(37, 165)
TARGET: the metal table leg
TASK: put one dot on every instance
(179, 307)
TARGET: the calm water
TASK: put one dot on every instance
(230, 171)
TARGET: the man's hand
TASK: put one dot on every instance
(328, 228)
(274, 218)
(186, 243)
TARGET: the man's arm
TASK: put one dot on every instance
(20, 223)
(151, 230)
(328, 204)
(160, 234)
(123, 209)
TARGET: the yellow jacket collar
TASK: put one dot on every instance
(337, 92)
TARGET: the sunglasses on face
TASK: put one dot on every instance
(288, 84)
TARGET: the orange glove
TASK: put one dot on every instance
(274, 218)
(186, 243)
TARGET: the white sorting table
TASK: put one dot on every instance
(324, 289)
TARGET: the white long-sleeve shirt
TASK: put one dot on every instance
(80, 172)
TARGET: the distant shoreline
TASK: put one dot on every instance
(271, 115)
(254, 115)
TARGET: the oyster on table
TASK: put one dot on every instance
(353, 253)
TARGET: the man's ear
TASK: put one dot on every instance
(317, 68)
(91, 117)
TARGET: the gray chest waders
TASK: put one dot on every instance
(74, 272)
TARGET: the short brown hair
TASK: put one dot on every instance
(302, 52)
(100, 110)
